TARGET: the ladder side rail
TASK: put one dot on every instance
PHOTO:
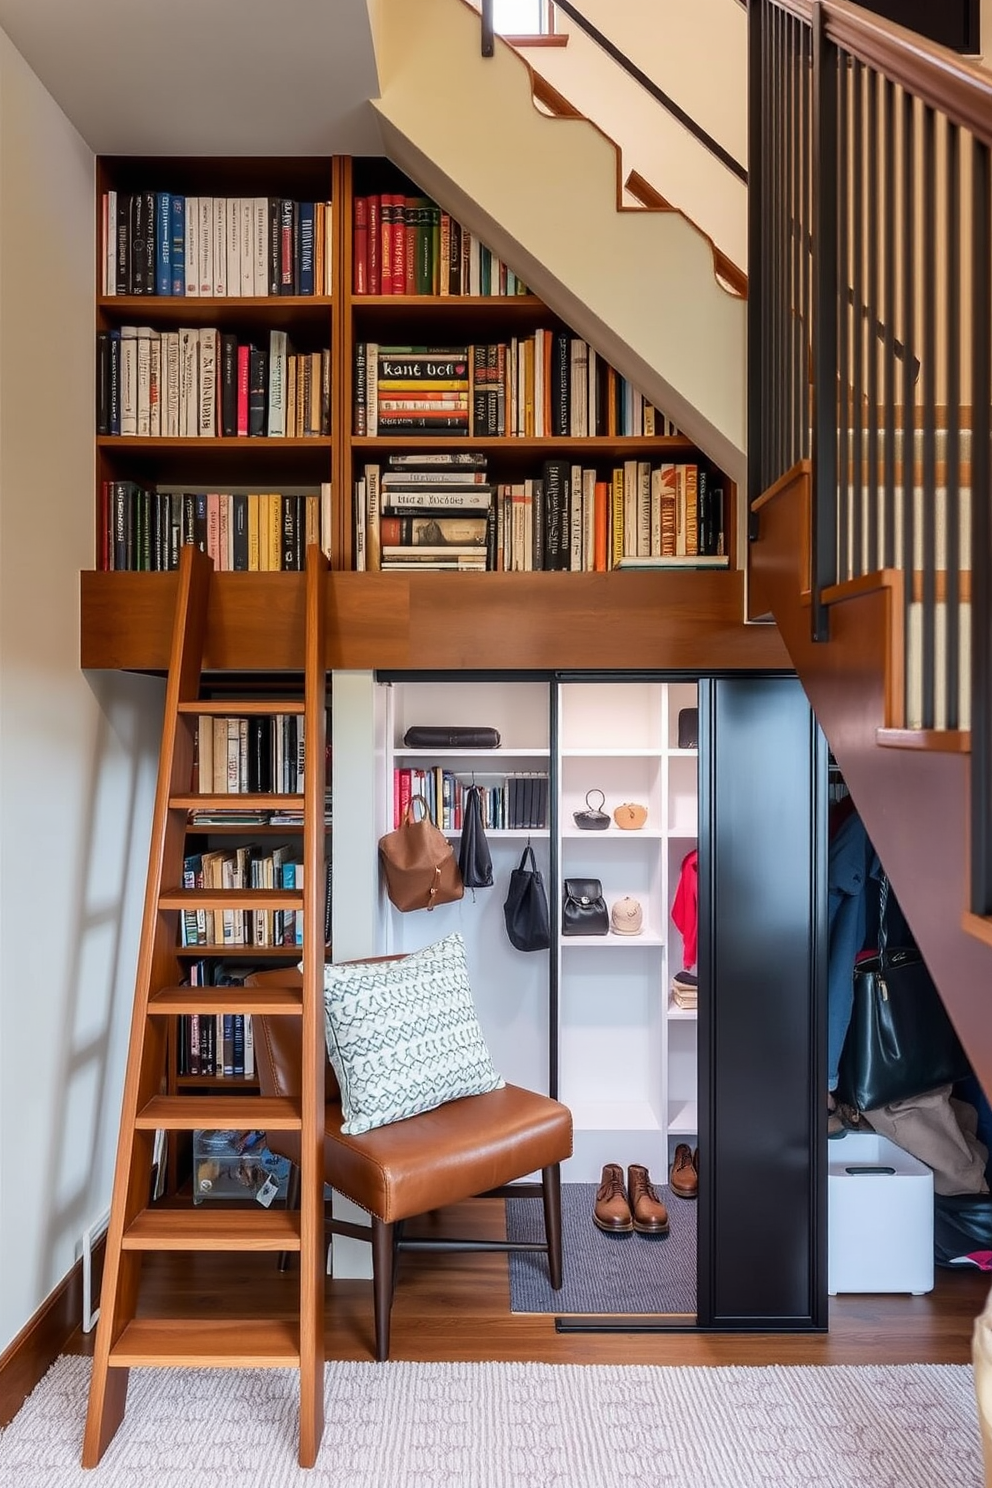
(146, 1048)
(312, 1231)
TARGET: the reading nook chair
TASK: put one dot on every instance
(470, 1147)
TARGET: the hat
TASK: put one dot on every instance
(627, 917)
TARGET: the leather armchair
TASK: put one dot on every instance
(467, 1148)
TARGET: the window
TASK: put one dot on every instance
(523, 17)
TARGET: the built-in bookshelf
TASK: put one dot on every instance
(215, 358)
(300, 350)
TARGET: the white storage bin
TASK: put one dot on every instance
(879, 1223)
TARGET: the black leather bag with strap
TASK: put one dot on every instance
(583, 908)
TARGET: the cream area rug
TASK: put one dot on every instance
(492, 1425)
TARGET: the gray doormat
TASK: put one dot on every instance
(604, 1273)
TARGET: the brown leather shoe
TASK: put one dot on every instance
(650, 1217)
(684, 1177)
(611, 1212)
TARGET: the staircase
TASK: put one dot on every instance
(126, 1336)
(527, 176)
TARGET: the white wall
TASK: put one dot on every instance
(77, 754)
(695, 53)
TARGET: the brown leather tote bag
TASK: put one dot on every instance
(419, 863)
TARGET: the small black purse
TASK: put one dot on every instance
(525, 909)
(594, 818)
(583, 909)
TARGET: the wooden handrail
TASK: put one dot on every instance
(945, 81)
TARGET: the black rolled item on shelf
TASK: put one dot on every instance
(438, 736)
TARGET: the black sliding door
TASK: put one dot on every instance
(762, 917)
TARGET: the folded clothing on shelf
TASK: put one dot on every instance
(685, 988)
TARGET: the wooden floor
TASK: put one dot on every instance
(451, 1307)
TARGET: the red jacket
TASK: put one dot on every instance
(685, 908)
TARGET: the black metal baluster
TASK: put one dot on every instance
(889, 312)
(858, 328)
(806, 63)
(909, 339)
(757, 300)
(871, 319)
(981, 537)
(824, 522)
(952, 460)
(842, 536)
(929, 482)
(774, 246)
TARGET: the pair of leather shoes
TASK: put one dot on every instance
(619, 1209)
(684, 1177)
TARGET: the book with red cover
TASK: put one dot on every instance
(244, 357)
(360, 248)
(375, 245)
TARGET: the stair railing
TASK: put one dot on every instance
(870, 338)
(648, 84)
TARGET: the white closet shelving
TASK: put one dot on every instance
(626, 1054)
(627, 1067)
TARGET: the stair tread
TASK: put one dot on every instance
(236, 999)
(174, 898)
(219, 948)
(203, 1229)
(238, 801)
(221, 1343)
(192, 1112)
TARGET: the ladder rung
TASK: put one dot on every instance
(237, 1112)
(283, 1000)
(231, 899)
(269, 952)
(216, 1343)
(243, 708)
(238, 801)
(213, 1229)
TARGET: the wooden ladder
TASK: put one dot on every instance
(125, 1339)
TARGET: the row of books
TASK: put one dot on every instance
(205, 383)
(547, 385)
(258, 754)
(406, 245)
(248, 867)
(569, 518)
(214, 247)
(143, 529)
(218, 1044)
(509, 802)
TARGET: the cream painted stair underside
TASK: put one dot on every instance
(639, 286)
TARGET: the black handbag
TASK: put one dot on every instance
(525, 909)
(900, 1042)
(442, 736)
(583, 909)
(474, 857)
(594, 818)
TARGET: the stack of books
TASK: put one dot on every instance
(433, 511)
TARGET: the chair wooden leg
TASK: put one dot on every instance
(292, 1202)
(382, 1283)
(551, 1195)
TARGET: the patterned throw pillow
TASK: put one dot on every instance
(403, 1036)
